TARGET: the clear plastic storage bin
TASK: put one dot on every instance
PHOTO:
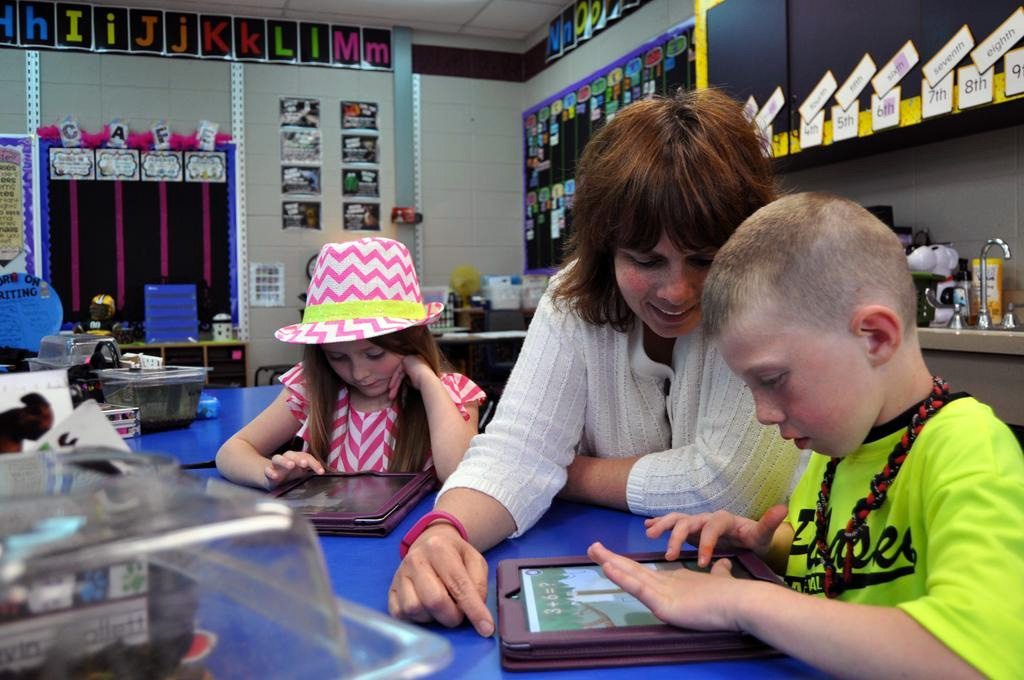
(64, 351)
(157, 575)
(167, 397)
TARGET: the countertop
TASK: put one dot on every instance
(983, 342)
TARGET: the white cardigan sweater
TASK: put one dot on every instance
(591, 389)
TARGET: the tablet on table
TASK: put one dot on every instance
(562, 612)
(357, 504)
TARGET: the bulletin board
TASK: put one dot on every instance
(556, 129)
(113, 237)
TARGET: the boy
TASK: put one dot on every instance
(909, 526)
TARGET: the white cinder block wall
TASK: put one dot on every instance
(471, 176)
(12, 84)
(964, 191)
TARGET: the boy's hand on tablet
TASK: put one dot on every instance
(713, 529)
(290, 465)
(681, 597)
(442, 578)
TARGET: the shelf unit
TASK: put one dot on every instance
(229, 360)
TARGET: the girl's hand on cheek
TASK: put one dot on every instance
(395, 384)
(417, 371)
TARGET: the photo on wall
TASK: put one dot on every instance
(361, 216)
(359, 149)
(297, 179)
(363, 183)
(267, 289)
(297, 112)
(300, 215)
(300, 146)
(359, 116)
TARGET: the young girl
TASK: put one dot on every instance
(369, 394)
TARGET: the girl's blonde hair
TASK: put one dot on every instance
(412, 431)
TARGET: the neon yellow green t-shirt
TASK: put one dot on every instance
(946, 547)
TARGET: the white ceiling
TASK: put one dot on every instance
(500, 19)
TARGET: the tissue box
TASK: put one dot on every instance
(149, 575)
(503, 292)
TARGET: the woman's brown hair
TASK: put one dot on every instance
(689, 166)
(412, 431)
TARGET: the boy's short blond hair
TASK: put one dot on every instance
(814, 257)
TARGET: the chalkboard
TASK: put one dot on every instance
(556, 130)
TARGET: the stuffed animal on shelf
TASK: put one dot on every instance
(101, 316)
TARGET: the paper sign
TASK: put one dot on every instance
(117, 131)
(892, 73)
(885, 111)
(15, 161)
(856, 82)
(70, 132)
(161, 166)
(811, 130)
(205, 166)
(71, 163)
(86, 426)
(845, 121)
(973, 89)
(937, 100)
(946, 59)
(30, 403)
(999, 41)
(1013, 66)
(770, 109)
(207, 134)
(818, 97)
(750, 108)
(161, 135)
(117, 164)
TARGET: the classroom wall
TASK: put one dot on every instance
(12, 85)
(963, 190)
(471, 176)
(267, 242)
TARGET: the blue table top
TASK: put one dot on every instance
(361, 568)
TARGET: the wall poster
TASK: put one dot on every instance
(17, 223)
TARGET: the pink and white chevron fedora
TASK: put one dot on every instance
(360, 289)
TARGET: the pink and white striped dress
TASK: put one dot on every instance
(364, 441)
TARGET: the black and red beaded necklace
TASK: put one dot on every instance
(876, 494)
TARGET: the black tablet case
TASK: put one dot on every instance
(379, 521)
(625, 646)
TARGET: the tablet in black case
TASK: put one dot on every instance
(562, 612)
(357, 504)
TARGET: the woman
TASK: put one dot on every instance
(616, 397)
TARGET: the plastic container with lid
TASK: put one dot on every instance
(152, 574)
(167, 397)
(64, 351)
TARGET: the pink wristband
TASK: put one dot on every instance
(422, 524)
